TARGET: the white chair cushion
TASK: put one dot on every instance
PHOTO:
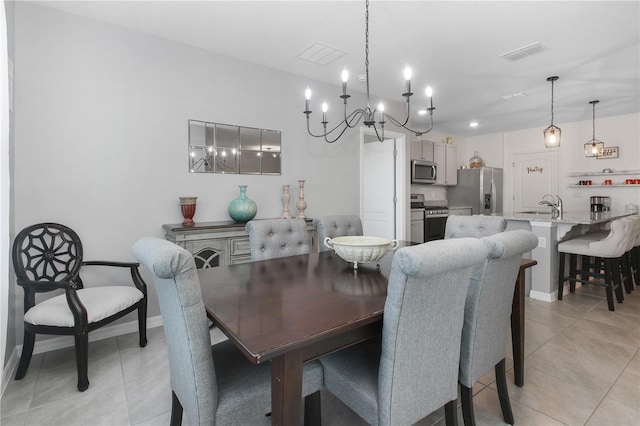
(100, 302)
(613, 245)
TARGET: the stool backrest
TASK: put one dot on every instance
(615, 244)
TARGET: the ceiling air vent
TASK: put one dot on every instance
(523, 52)
(320, 54)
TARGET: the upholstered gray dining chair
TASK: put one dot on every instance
(273, 238)
(414, 369)
(212, 385)
(473, 226)
(336, 226)
(487, 314)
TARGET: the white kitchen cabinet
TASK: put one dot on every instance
(422, 150)
(446, 157)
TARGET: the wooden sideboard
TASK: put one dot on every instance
(219, 243)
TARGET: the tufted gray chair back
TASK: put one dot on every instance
(273, 238)
(191, 368)
(415, 369)
(473, 226)
(336, 226)
(488, 305)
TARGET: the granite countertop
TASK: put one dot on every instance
(575, 217)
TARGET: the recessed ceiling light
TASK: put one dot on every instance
(422, 112)
(513, 95)
(473, 124)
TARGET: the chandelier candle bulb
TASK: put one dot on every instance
(325, 107)
(307, 97)
(381, 110)
(407, 82)
(345, 78)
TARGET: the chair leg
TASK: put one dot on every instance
(82, 361)
(466, 397)
(635, 255)
(142, 324)
(503, 392)
(27, 351)
(617, 280)
(312, 409)
(561, 275)
(573, 271)
(176, 410)
(451, 413)
(625, 266)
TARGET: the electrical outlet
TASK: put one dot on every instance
(542, 242)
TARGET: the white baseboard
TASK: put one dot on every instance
(545, 297)
(60, 342)
(10, 367)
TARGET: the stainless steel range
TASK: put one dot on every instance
(433, 215)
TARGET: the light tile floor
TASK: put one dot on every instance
(582, 367)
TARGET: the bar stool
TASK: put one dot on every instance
(597, 256)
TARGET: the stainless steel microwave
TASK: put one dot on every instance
(423, 171)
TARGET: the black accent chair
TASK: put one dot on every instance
(48, 257)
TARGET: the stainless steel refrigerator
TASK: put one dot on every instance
(480, 188)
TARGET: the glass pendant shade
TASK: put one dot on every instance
(593, 148)
(552, 133)
(552, 136)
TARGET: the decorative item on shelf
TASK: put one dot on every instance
(476, 161)
(285, 202)
(367, 114)
(301, 204)
(242, 209)
(449, 140)
(552, 133)
(594, 147)
(188, 207)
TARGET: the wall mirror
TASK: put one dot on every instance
(224, 148)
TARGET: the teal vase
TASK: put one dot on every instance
(243, 209)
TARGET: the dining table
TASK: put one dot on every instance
(291, 310)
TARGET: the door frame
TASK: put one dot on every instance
(400, 198)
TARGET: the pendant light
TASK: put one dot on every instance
(552, 133)
(594, 146)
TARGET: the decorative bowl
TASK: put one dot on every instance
(359, 249)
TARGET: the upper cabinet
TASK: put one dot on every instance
(422, 150)
(446, 157)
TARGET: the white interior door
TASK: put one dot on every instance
(383, 185)
(534, 175)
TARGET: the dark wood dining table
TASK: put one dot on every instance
(291, 310)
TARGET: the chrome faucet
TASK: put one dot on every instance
(554, 203)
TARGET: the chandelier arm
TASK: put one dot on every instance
(416, 132)
(354, 116)
(337, 137)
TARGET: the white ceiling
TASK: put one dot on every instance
(454, 46)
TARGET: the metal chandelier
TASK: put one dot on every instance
(367, 114)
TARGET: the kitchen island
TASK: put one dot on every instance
(550, 231)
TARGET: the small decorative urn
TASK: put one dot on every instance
(188, 207)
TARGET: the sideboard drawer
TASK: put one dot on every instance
(240, 246)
